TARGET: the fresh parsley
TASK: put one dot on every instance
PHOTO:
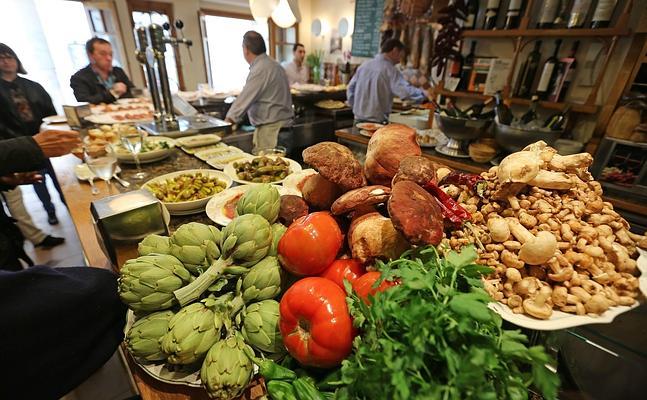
(433, 337)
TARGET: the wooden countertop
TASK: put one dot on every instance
(78, 196)
(352, 135)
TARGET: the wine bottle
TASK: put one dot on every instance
(547, 14)
(474, 110)
(513, 16)
(556, 121)
(603, 13)
(456, 65)
(547, 77)
(502, 112)
(570, 73)
(466, 69)
(531, 114)
(562, 14)
(578, 13)
(491, 14)
(452, 110)
(472, 13)
(528, 72)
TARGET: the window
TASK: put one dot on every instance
(223, 37)
(50, 54)
(283, 40)
(144, 13)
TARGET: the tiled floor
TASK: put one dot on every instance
(69, 254)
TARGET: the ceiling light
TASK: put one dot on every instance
(285, 14)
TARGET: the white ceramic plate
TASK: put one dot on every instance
(198, 140)
(204, 155)
(192, 206)
(561, 320)
(194, 150)
(369, 126)
(125, 156)
(55, 119)
(366, 133)
(221, 161)
(231, 172)
(216, 206)
(121, 117)
(292, 181)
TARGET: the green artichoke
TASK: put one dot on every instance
(245, 241)
(263, 281)
(145, 336)
(227, 370)
(263, 199)
(195, 244)
(154, 244)
(192, 332)
(147, 283)
(277, 233)
(261, 326)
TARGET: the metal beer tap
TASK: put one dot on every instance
(142, 45)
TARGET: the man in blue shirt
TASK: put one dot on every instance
(370, 93)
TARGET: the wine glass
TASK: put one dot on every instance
(133, 141)
(101, 163)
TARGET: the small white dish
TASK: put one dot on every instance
(231, 171)
(198, 140)
(294, 180)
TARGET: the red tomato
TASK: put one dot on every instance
(343, 269)
(315, 324)
(310, 244)
(363, 285)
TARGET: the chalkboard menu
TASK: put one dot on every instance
(366, 34)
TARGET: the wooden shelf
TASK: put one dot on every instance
(560, 33)
(578, 108)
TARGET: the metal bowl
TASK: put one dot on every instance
(515, 139)
(461, 128)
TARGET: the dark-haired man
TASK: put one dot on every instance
(296, 71)
(100, 82)
(266, 96)
(370, 93)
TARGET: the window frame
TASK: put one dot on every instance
(147, 6)
(273, 28)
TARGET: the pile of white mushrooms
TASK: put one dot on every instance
(552, 240)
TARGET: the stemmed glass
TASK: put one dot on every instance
(102, 164)
(133, 141)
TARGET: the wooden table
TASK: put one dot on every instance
(78, 196)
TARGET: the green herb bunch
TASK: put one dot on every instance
(433, 337)
(314, 59)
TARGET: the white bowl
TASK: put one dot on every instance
(125, 156)
(231, 171)
(192, 206)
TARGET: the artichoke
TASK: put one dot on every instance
(245, 241)
(145, 336)
(263, 199)
(147, 283)
(192, 332)
(154, 244)
(261, 326)
(277, 233)
(227, 370)
(195, 244)
(263, 281)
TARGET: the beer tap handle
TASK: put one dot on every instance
(179, 25)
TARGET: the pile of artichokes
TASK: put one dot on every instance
(203, 298)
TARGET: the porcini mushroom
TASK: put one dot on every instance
(373, 236)
(535, 250)
(363, 197)
(336, 163)
(415, 213)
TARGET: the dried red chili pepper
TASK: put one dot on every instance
(449, 204)
(474, 182)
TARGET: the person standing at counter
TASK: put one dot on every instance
(296, 71)
(100, 81)
(370, 93)
(23, 105)
(266, 96)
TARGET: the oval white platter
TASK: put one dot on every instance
(561, 320)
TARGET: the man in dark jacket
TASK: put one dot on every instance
(100, 82)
